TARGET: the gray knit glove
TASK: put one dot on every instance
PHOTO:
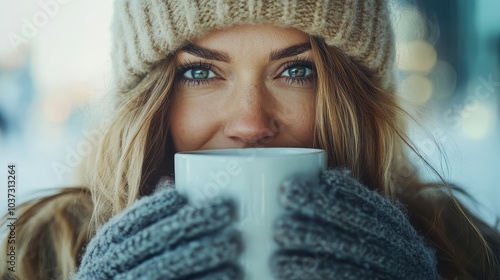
(162, 237)
(335, 228)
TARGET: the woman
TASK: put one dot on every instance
(222, 74)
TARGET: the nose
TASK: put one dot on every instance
(253, 117)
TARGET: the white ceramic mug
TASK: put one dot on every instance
(252, 177)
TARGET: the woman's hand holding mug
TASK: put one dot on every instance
(243, 219)
(336, 228)
(163, 237)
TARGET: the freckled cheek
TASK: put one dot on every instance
(308, 121)
(301, 119)
(190, 124)
(305, 118)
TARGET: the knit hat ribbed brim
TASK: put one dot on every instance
(146, 31)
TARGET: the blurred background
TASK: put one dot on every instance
(55, 68)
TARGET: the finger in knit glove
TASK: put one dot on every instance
(336, 228)
(163, 237)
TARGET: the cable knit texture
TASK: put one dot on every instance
(163, 237)
(146, 31)
(335, 228)
(332, 228)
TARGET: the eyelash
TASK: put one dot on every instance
(184, 67)
(181, 70)
(299, 80)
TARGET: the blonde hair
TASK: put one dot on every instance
(49, 235)
(130, 157)
(360, 125)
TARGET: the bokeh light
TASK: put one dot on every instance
(416, 88)
(477, 123)
(444, 79)
(56, 108)
(417, 55)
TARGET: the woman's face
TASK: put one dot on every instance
(245, 86)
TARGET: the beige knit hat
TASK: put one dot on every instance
(145, 31)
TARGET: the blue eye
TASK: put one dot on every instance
(297, 71)
(198, 73)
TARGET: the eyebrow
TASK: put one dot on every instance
(206, 53)
(290, 51)
(224, 56)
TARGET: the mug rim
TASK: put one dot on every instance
(264, 152)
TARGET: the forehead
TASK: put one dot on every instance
(238, 38)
